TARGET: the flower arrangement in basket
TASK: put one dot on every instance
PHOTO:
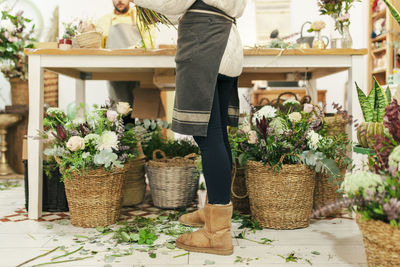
(91, 153)
(282, 151)
(14, 38)
(174, 177)
(375, 195)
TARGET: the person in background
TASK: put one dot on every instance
(120, 31)
(209, 59)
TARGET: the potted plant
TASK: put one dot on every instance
(283, 150)
(173, 178)
(14, 38)
(91, 153)
(69, 33)
(373, 108)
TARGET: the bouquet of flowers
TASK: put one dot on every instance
(296, 136)
(317, 26)
(14, 38)
(99, 140)
(339, 10)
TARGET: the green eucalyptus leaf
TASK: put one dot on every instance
(125, 237)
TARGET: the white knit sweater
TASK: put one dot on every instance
(232, 61)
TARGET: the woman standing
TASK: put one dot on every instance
(208, 61)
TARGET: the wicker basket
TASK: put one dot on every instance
(51, 88)
(381, 242)
(239, 194)
(20, 90)
(325, 192)
(89, 39)
(135, 186)
(280, 200)
(173, 182)
(94, 199)
(336, 125)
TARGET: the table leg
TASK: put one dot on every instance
(80, 96)
(357, 73)
(35, 164)
(311, 90)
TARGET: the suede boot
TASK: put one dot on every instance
(194, 219)
(215, 237)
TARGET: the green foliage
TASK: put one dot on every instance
(373, 106)
(71, 30)
(172, 148)
(393, 11)
(13, 40)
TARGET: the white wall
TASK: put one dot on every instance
(307, 10)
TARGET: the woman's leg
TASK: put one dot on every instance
(215, 158)
(225, 84)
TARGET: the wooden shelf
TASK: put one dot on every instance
(379, 38)
(380, 14)
(377, 71)
(379, 50)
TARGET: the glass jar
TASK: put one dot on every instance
(318, 43)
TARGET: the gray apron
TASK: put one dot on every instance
(202, 39)
(122, 36)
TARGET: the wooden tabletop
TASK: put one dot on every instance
(172, 51)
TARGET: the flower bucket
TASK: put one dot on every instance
(94, 198)
(135, 186)
(239, 194)
(381, 242)
(173, 182)
(280, 200)
(325, 191)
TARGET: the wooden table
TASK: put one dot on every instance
(155, 68)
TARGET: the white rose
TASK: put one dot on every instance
(76, 143)
(108, 140)
(123, 108)
(252, 137)
(308, 108)
(295, 117)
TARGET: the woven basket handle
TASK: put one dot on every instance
(288, 154)
(191, 156)
(162, 153)
(263, 101)
(233, 182)
(286, 93)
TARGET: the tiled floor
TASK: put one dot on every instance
(325, 243)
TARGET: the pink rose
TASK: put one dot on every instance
(112, 115)
(252, 137)
(308, 108)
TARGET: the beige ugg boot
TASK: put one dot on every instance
(215, 237)
(194, 219)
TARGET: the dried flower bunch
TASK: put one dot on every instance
(100, 139)
(14, 38)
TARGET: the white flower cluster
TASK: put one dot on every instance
(313, 139)
(55, 112)
(268, 112)
(368, 181)
(291, 101)
(295, 117)
(278, 125)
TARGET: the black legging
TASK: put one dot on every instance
(215, 149)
